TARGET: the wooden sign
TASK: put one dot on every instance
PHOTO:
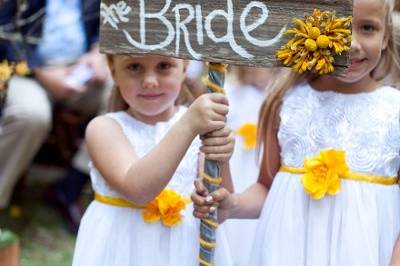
(240, 32)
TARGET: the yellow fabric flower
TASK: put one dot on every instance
(323, 173)
(22, 69)
(248, 132)
(166, 207)
(5, 71)
(316, 41)
(151, 213)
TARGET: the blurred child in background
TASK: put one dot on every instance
(246, 88)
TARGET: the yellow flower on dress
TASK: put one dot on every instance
(316, 41)
(151, 213)
(15, 211)
(166, 207)
(323, 173)
(248, 132)
(5, 71)
(22, 69)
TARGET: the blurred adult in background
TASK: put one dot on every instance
(67, 69)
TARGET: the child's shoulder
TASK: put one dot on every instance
(102, 128)
(298, 90)
(105, 121)
(389, 91)
(389, 96)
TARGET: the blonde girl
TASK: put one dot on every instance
(331, 150)
(144, 159)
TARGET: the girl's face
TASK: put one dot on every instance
(149, 84)
(368, 39)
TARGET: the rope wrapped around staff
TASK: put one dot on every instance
(211, 176)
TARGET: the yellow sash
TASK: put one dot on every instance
(116, 201)
(349, 175)
(166, 207)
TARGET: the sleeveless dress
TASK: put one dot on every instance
(244, 105)
(111, 235)
(359, 225)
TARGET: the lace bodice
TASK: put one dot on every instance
(143, 138)
(365, 125)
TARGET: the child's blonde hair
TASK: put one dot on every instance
(395, 73)
(390, 58)
(288, 78)
(191, 89)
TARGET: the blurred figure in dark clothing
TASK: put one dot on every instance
(59, 39)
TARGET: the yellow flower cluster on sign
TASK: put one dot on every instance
(316, 41)
(166, 207)
(8, 69)
(323, 173)
(248, 132)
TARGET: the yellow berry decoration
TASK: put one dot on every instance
(316, 40)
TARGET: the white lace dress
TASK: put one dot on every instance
(359, 225)
(118, 236)
(244, 104)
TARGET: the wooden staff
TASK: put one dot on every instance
(211, 176)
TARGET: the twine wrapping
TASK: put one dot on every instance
(211, 176)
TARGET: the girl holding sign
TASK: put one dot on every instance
(331, 150)
(144, 161)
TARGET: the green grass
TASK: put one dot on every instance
(45, 241)
(43, 237)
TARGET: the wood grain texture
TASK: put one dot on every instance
(280, 15)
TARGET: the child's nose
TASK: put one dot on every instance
(150, 81)
(355, 44)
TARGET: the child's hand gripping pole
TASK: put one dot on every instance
(211, 176)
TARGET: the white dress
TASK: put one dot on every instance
(359, 225)
(244, 105)
(118, 236)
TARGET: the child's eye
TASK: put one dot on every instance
(134, 67)
(368, 28)
(164, 65)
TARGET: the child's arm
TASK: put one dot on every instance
(142, 179)
(395, 261)
(247, 204)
